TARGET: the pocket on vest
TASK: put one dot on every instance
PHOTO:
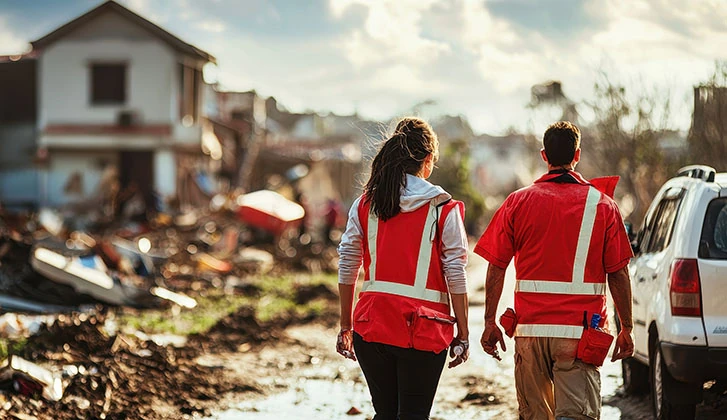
(431, 330)
(365, 321)
(593, 346)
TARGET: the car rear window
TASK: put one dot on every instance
(713, 242)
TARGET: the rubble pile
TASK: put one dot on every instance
(240, 328)
(74, 366)
(115, 376)
(122, 263)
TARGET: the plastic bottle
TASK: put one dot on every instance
(458, 350)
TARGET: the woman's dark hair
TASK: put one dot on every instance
(403, 153)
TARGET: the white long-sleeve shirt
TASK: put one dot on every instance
(417, 193)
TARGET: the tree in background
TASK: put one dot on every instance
(628, 138)
(708, 135)
(453, 174)
(628, 135)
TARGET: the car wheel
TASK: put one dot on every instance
(660, 379)
(635, 376)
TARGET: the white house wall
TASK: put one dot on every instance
(63, 165)
(64, 75)
(165, 173)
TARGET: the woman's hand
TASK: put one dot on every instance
(344, 344)
(459, 351)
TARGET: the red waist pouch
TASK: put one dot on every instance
(593, 346)
(431, 330)
(508, 320)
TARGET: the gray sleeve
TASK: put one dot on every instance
(454, 252)
(350, 250)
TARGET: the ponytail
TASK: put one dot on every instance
(403, 153)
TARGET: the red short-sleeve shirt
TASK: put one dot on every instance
(539, 226)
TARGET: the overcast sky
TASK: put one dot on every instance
(382, 57)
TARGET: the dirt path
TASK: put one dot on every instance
(302, 377)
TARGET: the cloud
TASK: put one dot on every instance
(474, 57)
(392, 33)
(10, 43)
(146, 9)
(211, 25)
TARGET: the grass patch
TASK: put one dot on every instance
(209, 310)
(276, 300)
(8, 347)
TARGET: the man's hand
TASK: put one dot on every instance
(490, 337)
(624, 345)
(344, 344)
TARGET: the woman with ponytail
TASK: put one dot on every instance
(409, 236)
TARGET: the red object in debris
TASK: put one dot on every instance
(23, 385)
(269, 211)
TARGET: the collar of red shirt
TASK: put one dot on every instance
(605, 184)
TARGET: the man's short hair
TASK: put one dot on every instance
(561, 140)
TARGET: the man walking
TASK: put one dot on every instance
(567, 237)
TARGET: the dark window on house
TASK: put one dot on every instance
(108, 84)
(189, 79)
(238, 115)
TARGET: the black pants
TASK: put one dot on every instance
(402, 381)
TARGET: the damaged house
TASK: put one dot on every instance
(117, 104)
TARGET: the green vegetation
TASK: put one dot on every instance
(8, 347)
(454, 176)
(275, 300)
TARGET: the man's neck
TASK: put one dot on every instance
(568, 167)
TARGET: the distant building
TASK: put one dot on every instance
(452, 128)
(708, 136)
(18, 131)
(501, 164)
(710, 108)
(116, 91)
(240, 124)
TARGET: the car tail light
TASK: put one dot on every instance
(685, 288)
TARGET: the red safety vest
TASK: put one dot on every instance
(560, 255)
(403, 272)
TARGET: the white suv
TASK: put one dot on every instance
(679, 298)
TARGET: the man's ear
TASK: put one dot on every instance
(577, 156)
(543, 155)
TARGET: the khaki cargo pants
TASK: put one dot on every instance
(551, 383)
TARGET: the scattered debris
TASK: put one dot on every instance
(269, 211)
(73, 264)
(306, 293)
(27, 378)
(481, 398)
(115, 376)
(353, 411)
(255, 260)
(178, 298)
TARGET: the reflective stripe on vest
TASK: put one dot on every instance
(419, 289)
(577, 286)
(548, 330)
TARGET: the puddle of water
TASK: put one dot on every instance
(325, 399)
(307, 399)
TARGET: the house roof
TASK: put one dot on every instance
(112, 6)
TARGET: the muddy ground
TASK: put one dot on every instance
(301, 377)
(287, 369)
